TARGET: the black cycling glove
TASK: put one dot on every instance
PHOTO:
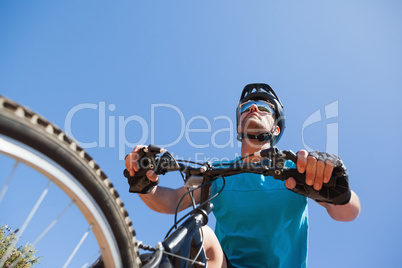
(336, 191)
(139, 184)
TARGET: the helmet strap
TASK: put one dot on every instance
(260, 137)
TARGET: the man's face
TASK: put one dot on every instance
(256, 118)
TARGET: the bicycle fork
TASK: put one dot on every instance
(185, 245)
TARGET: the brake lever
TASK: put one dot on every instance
(280, 172)
(146, 160)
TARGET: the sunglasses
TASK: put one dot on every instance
(262, 106)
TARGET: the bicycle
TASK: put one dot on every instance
(29, 140)
(184, 246)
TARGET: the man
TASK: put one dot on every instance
(259, 222)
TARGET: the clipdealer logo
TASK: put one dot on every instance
(111, 125)
(111, 130)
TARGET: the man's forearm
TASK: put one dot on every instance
(347, 212)
(164, 200)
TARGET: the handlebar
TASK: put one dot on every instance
(336, 191)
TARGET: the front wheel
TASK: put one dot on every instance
(29, 140)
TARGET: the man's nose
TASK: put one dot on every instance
(254, 108)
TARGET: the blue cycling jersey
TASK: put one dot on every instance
(260, 223)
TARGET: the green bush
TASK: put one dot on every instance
(21, 257)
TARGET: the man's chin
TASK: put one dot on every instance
(253, 128)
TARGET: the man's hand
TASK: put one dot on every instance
(317, 171)
(132, 165)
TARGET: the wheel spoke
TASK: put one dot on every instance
(77, 247)
(25, 224)
(8, 181)
(93, 259)
(41, 235)
(52, 224)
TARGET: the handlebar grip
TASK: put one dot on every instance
(339, 194)
(147, 160)
(141, 173)
(336, 191)
(301, 177)
(139, 183)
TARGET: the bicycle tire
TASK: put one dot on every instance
(38, 134)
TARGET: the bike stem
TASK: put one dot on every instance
(206, 192)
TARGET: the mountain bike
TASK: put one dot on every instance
(183, 247)
(30, 143)
(40, 155)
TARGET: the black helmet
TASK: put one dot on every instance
(263, 92)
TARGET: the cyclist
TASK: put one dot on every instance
(259, 223)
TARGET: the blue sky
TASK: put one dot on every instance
(171, 72)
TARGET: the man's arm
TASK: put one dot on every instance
(347, 212)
